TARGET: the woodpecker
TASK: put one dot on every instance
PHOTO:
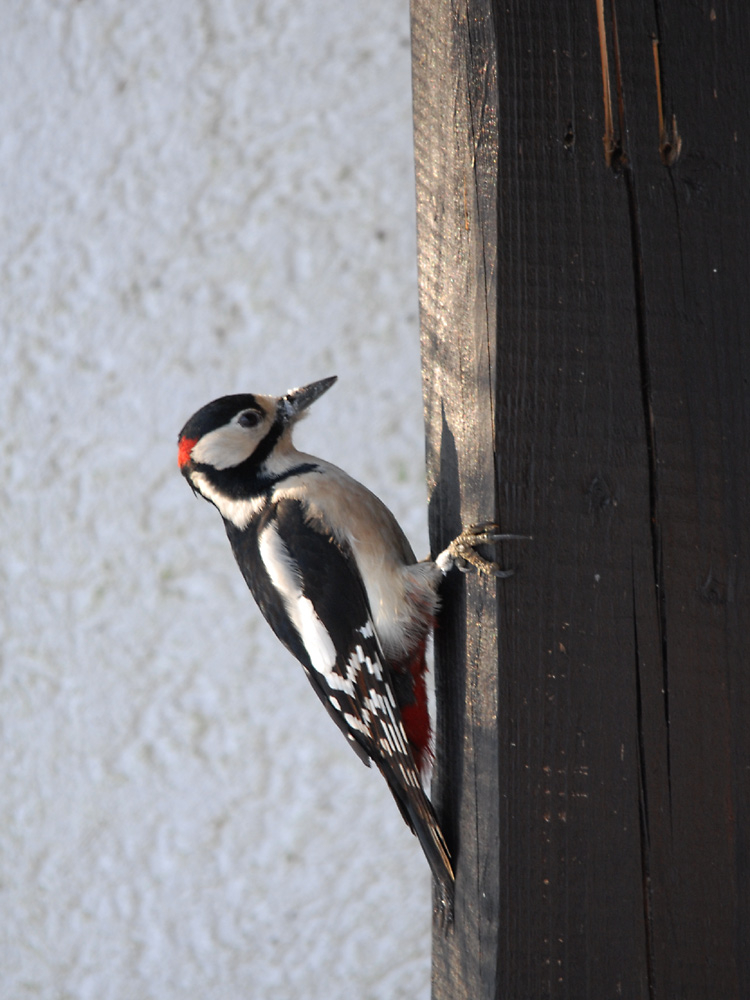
(337, 581)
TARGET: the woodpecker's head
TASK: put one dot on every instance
(238, 434)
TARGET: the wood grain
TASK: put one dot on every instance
(586, 347)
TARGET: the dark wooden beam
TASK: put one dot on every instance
(584, 231)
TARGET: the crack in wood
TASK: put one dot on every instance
(643, 807)
(618, 160)
(614, 153)
(653, 464)
(670, 142)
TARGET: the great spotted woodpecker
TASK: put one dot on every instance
(337, 581)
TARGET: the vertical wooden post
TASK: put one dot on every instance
(584, 244)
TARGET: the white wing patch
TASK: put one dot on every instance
(285, 578)
(369, 708)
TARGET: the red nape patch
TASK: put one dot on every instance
(183, 453)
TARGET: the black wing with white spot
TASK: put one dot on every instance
(310, 591)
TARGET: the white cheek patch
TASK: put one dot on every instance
(239, 512)
(285, 578)
(227, 446)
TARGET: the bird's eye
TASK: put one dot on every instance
(249, 419)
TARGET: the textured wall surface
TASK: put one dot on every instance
(196, 199)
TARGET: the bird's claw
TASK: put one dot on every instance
(462, 551)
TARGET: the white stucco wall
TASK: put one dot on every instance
(197, 198)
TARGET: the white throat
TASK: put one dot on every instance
(238, 512)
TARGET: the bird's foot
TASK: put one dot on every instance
(462, 551)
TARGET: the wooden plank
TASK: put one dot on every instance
(595, 778)
(693, 223)
(573, 466)
(455, 144)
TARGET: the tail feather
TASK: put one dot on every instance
(420, 817)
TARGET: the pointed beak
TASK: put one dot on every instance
(296, 401)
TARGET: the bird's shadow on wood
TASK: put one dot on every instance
(444, 513)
